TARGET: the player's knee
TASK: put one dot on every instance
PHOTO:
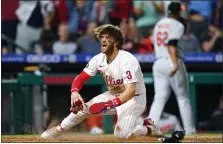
(122, 133)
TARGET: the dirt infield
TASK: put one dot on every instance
(78, 138)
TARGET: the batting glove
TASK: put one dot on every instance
(78, 106)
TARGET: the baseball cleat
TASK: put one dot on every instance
(177, 137)
(52, 133)
(153, 130)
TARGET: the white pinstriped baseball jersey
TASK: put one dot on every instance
(165, 30)
(124, 69)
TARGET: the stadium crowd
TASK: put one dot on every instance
(64, 26)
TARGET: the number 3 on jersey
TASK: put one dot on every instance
(161, 38)
(129, 76)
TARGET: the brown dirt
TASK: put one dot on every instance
(78, 138)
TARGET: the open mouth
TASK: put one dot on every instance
(104, 45)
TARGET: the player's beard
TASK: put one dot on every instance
(109, 50)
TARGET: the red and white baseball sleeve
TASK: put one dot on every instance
(79, 81)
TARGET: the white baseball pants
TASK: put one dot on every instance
(128, 115)
(163, 84)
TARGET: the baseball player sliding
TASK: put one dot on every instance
(126, 93)
(168, 69)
